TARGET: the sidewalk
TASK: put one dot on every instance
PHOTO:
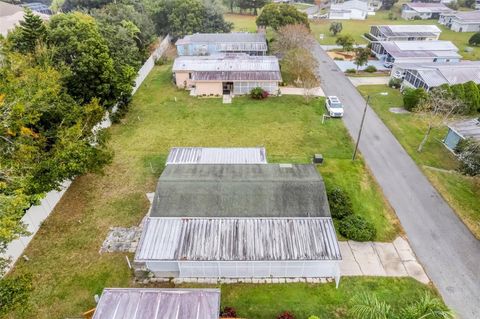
(300, 91)
(394, 259)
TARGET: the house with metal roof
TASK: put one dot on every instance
(349, 10)
(229, 74)
(413, 32)
(212, 43)
(416, 51)
(11, 15)
(38, 7)
(130, 303)
(239, 221)
(462, 21)
(217, 155)
(430, 75)
(459, 131)
(424, 10)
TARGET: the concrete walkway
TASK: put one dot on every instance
(300, 91)
(373, 80)
(394, 259)
(448, 251)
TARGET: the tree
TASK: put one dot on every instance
(299, 65)
(413, 97)
(179, 18)
(70, 5)
(388, 4)
(31, 31)
(367, 306)
(361, 56)
(77, 43)
(251, 4)
(436, 109)
(335, 27)
(474, 39)
(346, 41)
(276, 15)
(427, 307)
(290, 37)
(468, 151)
(472, 97)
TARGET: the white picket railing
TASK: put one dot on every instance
(35, 215)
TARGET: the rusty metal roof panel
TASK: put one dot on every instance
(238, 239)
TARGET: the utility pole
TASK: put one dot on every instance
(361, 127)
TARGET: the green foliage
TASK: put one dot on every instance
(370, 69)
(395, 83)
(275, 15)
(31, 31)
(427, 307)
(299, 66)
(472, 97)
(335, 27)
(313, 317)
(346, 41)
(340, 203)
(70, 5)
(14, 292)
(468, 151)
(251, 4)
(367, 306)
(412, 98)
(361, 58)
(357, 228)
(181, 17)
(388, 4)
(350, 71)
(78, 44)
(258, 93)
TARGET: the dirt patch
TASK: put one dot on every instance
(339, 55)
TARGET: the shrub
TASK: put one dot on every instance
(228, 312)
(370, 69)
(313, 317)
(395, 83)
(413, 97)
(468, 151)
(350, 71)
(357, 228)
(338, 59)
(474, 39)
(258, 93)
(13, 292)
(286, 315)
(340, 203)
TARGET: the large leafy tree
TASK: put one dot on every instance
(252, 5)
(276, 15)
(29, 33)
(181, 17)
(77, 43)
(70, 5)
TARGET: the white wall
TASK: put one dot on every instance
(459, 27)
(35, 215)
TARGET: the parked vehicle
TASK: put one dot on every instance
(334, 106)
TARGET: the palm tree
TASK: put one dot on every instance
(427, 307)
(367, 306)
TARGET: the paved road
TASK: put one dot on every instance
(446, 248)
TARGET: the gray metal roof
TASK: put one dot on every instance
(420, 49)
(422, 7)
(226, 62)
(142, 303)
(408, 30)
(467, 16)
(235, 41)
(238, 239)
(235, 76)
(240, 190)
(468, 128)
(217, 155)
(349, 5)
(436, 74)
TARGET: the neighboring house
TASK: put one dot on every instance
(239, 221)
(461, 130)
(234, 74)
(468, 21)
(349, 10)
(313, 12)
(212, 43)
(416, 10)
(217, 155)
(161, 303)
(415, 51)
(38, 7)
(404, 32)
(430, 75)
(11, 15)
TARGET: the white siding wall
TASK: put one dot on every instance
(459, 27)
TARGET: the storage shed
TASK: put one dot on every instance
(468, 21)
(461, 130)
(240, 247)
(420, 10)
(217, 155)
(142, 303)
(349, 10)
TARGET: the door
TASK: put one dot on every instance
(227, 87)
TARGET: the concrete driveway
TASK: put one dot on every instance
(448, 251)
(369, 80)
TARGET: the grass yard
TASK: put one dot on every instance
(303, 300)
(461, 192)
(242, 22)
(63, 257)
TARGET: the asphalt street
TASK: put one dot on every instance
(442, 243)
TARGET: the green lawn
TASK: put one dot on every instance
(242, 22)
(303, 300)
(63, 257)
(461, 192)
